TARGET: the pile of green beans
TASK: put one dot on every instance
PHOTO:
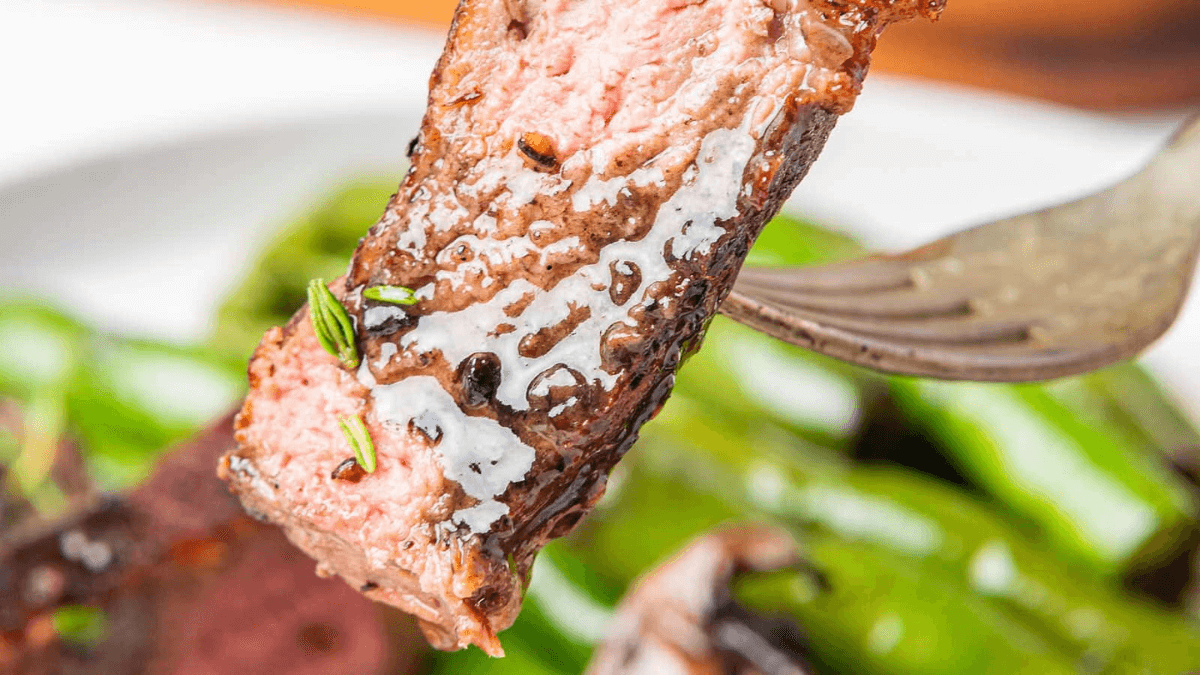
(1095, 496)
(931, 537)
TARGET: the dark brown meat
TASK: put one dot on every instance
(586, 184)
(188, 585)
(681, 618)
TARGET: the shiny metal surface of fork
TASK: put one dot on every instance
(1056, 292)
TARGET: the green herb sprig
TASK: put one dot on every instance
(331, 323)
(359, 439)
(397, 295)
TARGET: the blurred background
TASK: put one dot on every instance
(172, 172)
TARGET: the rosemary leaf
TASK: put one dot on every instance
(359, 439)
(331, 323)
(397, 295)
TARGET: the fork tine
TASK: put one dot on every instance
(928, 332)
(1002, 361)
(873, 274)
(938, 303)
(863, 276)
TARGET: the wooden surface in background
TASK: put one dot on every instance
(434, 14)
(1108, 54)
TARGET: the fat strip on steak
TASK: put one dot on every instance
(587, 181)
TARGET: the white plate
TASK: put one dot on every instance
(139, 216)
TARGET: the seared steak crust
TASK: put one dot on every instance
(586, 184)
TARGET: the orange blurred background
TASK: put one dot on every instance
(1107, 54)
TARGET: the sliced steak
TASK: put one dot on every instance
(587, 181)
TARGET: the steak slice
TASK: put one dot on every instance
(585, 186)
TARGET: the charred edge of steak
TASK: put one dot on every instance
(578, 485)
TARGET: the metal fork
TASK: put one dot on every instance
(1056, 292)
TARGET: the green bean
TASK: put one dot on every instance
(1125, 400)
(137, 397)
(123, 400)
(1094, 498)
(755, 378)
(39, 347)
(948, 532)
(654, 511)
(879, 614)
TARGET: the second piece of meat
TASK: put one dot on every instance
(681, 618)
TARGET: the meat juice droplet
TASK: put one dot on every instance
(539, 148)
(532, 346)
(349, 471)
(539, 343)
(626, 279)
(619, 345)
(555, 386)
(479, 376)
